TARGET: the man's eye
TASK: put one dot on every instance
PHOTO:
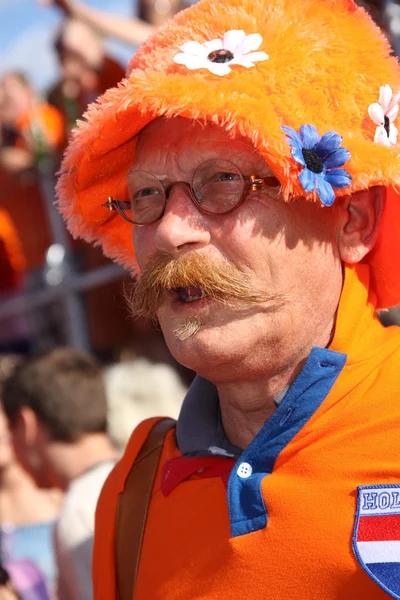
(227, 177)
(146, 192)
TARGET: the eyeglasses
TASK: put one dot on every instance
(217, 188)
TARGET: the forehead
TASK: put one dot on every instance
(189, 142)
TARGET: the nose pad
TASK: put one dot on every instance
(198, 195)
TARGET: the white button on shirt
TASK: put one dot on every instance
(244, 470)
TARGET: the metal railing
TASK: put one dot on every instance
(62, 284)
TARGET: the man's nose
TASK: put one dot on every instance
(182, 226)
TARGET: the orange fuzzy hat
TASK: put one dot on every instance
(253, 68)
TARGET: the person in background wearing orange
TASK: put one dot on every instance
(31, 137)
(37, 126)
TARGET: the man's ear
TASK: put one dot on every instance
(360, 225)
(27, 426)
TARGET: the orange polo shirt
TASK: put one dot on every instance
(310, 510)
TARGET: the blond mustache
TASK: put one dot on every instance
(220, 281)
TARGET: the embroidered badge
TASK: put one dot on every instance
(376, 538)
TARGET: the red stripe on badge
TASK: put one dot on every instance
(378, 528)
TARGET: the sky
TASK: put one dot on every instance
(27, 31)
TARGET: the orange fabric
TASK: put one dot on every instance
(327, 60)
(305, 550)
(22, 199)
(21, 195)
(49, 120)
(12, 242)
(12, 260)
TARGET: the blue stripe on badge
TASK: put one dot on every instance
(387, 575)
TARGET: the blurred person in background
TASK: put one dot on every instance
(86, 71)
(27, 514)
(57, 408)
(137, 390)
(134, 31)
(31, 129)
(31, 138)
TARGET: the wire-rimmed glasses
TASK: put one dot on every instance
(217, 188)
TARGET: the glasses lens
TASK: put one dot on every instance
(141, 198)
(218, 186)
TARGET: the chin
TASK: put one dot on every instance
(203, 349)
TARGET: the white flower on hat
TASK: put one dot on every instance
(236, 48)
(384, 113)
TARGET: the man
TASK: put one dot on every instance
(254, 147)
(57, 409)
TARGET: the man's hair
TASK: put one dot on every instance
(65, 390)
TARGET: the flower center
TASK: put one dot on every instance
(313, 161)
(386, 125)
(220, 56)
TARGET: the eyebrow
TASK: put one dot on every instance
(245, 162)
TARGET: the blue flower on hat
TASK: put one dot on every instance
(320, 157)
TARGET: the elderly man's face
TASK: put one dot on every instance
(284, 252)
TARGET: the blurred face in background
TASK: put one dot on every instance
(16, 99)
(76, 74)
(80, 55)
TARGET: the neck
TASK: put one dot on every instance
(70, 460)
(246, 404)
(13, 478)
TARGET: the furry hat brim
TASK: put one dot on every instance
(326, 63)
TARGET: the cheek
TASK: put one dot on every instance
(252, 238)
(271, 245)
(143, 242)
